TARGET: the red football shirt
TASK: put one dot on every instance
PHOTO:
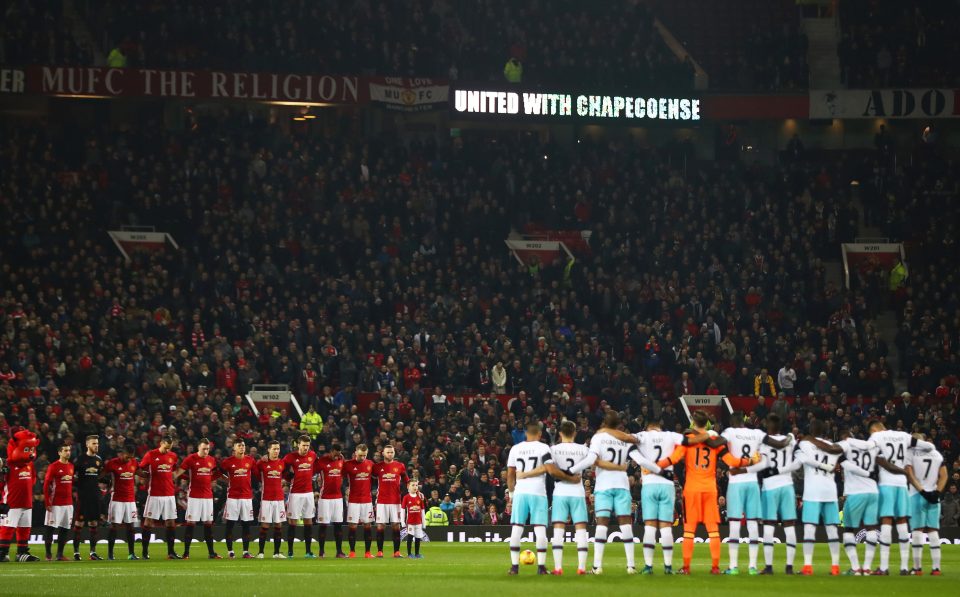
(58, 484)
(391, 478)
(331, 471)
(20, 480)
(413, 505)
(201, 469)
(360, 475)
(160, 467)
(238, 472)
(124, 479)
(271, 477)
(302, 467)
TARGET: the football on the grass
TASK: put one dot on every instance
(527, 557)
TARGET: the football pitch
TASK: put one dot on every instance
(448, 569)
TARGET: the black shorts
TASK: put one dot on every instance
(88, 509)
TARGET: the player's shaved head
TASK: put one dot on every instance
(773, 424)
(818, 428)
(533, 431)
(654, 426)
(736, 418)
(876, 426)
(611, 420)
(568, 429)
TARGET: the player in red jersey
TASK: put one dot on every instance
(161, 501)
(58, 501)
(300, 502)
(201, 466)
(391, 477)
(239, 505)
(272, 511)
(359, 472)
(330, 505)
(413, 506)
(18, 495)
(122, 511)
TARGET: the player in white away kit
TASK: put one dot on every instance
(861, 500)
(657, 493)
(743, 491)
(569, 499)
(894, 502)
(778, 497)
(612, 490)
(928, 479)
(530, 495)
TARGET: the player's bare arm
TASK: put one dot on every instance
(778, 444)
(627, 438)
(827, 447)
(889, 467)
(609, 466)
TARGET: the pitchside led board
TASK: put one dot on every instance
(570, 107)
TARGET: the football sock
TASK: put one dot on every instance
(903, 536)
(263, 538)
(308, 536)
(146, 535)
(171, 537)
(338, 535)
(714, 535)
(291, 535)
(833, 543)
(688, 546)
(381, 533)
(277, 540)
(321, 538)
(94, 533)
(228, 534)
(129, 531)
(61, 541)
(886, 536)
(111, 540)
(790, 535)
(76, 539)
(352, 538)
(753, 534)
(626, 535)
(558, 548)
(245, 526)
(416, 544)
(809, 539)
(187, 539)
(367, 538)
(582, 540)
(768, 530)
(850, 546)
(666, 544)
(208, 536)
(599, 543)
(409, 543)
(540, 534)
(649, 544)
(516, 534)
(934, 538)
(396, 539)
(917, 548)
(870, 550)
(48, 540)
(733, 547)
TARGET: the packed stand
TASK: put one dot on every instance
(342, 266)
(36, 32)
(895, 44)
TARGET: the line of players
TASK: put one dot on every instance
(889, 479)
(161, 467)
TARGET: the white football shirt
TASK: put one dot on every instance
(565, 455)
(818, 484)
(861, 461)
(655, 446)
(610, 449)
(527, 456)
(926, 468)
(743, 443)
(778, 459)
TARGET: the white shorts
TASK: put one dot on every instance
(18, 517)
(160, 508)
(300, 506)
(330, 510)
(199, 510)
(388, 513)
(272, 512)
(238, 509)
(59, 516)
(359, 513)
(122, 512)
(416, 531)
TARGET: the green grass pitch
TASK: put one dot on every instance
(449, 569)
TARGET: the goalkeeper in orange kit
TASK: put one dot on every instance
(700, 455)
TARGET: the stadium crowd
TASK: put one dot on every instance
(340, 267)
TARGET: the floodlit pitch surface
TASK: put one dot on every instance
(448, 569)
